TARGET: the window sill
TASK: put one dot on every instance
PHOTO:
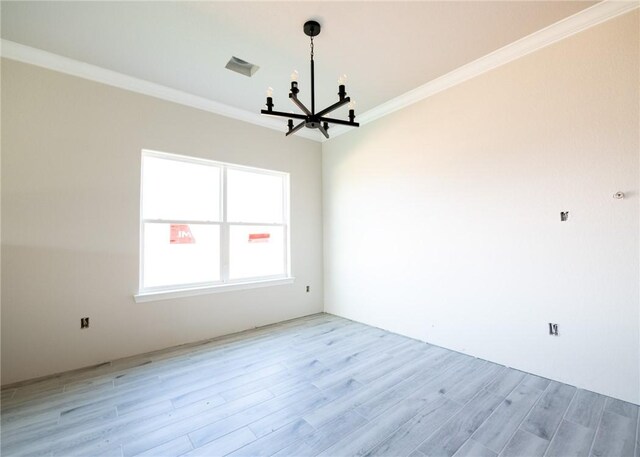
(179, 293)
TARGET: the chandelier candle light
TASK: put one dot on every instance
(310, 118)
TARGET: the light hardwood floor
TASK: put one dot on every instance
(319, 385)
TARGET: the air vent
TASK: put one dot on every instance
(241, 66)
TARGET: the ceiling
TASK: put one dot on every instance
(385, 48)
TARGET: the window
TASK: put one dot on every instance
(206, 224)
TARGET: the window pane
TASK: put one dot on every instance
(180, 254)
(176, 190)
(254, 197)
(256, 251)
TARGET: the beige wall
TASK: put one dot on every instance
(442, 220)
(70, 222)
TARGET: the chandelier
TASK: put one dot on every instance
(310, 119)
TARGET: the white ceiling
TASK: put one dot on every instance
(386, 48)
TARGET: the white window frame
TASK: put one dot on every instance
(225, 283)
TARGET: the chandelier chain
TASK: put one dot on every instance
(311, 48)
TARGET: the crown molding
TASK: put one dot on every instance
(589, 17)
(26, 54)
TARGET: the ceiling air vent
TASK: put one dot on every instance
(241, 66)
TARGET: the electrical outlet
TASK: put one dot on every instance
(84, 322)
(553, 329)
(308, 288)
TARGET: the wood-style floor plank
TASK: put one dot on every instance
(318, 385)
(215, 429)
(571, 440)
(178, 446)
(621, 408)
(370, 435)
(225, 444)
(616, 436)
(272, 443)
(472, 448)
(535, 382)
(504, 384)
(498, 429)
(524, 443)
(586, 409)
(413, 432)
(325, 436)
(390, 397)
(547, 414)
(452, 435)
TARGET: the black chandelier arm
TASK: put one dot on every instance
(339, 121)
(295, 129)
(299, 104)
(335, 106)
(281, 114)
(323, 130)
